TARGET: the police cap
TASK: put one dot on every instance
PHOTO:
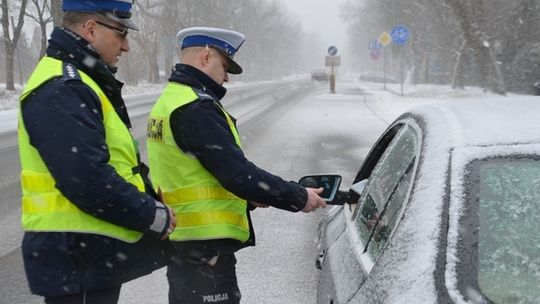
(117, 10)
(227, 42)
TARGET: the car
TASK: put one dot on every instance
(320, 75)
(536, 88)
(444, 209)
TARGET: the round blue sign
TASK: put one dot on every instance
(400, 34)
(332, 50)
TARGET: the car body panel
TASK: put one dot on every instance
(348, 264)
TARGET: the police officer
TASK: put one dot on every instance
(89, 225)
(197, 164)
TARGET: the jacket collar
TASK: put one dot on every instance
(193, 77)
(68, 46)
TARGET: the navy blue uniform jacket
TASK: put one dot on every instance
(64, 121)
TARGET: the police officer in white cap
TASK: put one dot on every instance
(90, 221)
(199, 169)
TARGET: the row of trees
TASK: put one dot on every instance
(17, 47)
(494, 44)
(273, 47)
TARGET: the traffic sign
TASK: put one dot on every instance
(332, 50)
(400, 34)
(375, 45)
(332, 61)
(385, 39)
(375, 54)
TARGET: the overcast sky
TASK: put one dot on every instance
(321, 17)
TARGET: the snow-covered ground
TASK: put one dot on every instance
(9, 99)
(412, 95)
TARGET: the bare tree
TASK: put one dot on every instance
(471, 16)
(447, 37)
(148, 36)
(56, 11)
(273, 39)
(42, 16)
(171, 23)
(11, 38)
(518, 44)
(271, 50)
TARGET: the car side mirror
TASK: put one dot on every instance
(330, 184)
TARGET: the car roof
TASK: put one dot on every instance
(496, 121)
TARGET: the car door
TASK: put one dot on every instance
(382, 188)
(386, 193)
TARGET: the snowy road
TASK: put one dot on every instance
(291, 131)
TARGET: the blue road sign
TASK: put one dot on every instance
(400, 34)
(375, 45)
(332, 50)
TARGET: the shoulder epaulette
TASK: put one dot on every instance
(70, 72)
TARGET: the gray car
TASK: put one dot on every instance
(444, 209)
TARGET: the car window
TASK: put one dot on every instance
(386, 192)
(503, 230)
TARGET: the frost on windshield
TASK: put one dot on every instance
(508, 235)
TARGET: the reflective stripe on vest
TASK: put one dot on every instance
(44, 208)
(204, 209)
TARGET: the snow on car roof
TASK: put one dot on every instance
(486, 121)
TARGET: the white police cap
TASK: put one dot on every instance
(117, 10)
(226, 41)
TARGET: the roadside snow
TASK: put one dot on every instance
(8, 99)
(142, 88)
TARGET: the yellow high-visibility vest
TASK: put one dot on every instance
(204, 209)
(44, 208)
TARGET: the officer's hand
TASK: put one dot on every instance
(172, 223)
(314, 201)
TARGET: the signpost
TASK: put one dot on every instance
(332, 60)
(400, 34)
(384, 39)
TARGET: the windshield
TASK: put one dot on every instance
(504, 230)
